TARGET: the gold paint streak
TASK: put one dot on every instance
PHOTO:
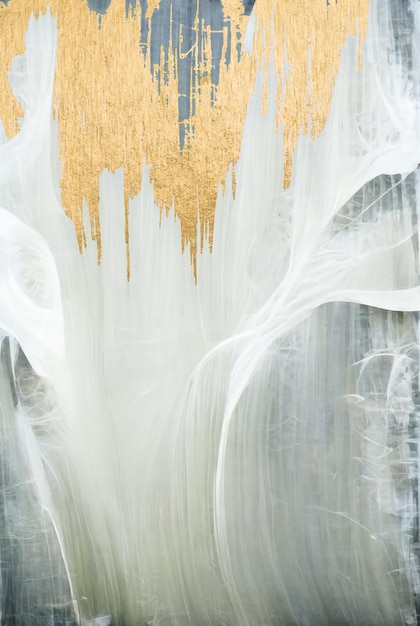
(300, 29)
(13, 25)
(119, 130)
(152, 5)
(112, 113)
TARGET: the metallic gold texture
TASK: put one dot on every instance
(294, 31)
(111, 113)
(114, 112)
(152, 5)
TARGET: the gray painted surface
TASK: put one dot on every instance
(99, 6)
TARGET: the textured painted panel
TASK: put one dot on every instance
(232, 441)
(113, 113)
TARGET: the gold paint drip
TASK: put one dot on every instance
(293, 32)
(13, 25)
(152, 5)
(112, 113)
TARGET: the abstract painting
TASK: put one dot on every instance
(209, 312)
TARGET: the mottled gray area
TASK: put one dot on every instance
(34, 586)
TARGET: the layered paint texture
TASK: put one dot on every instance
(168, 84)
(230, 436)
